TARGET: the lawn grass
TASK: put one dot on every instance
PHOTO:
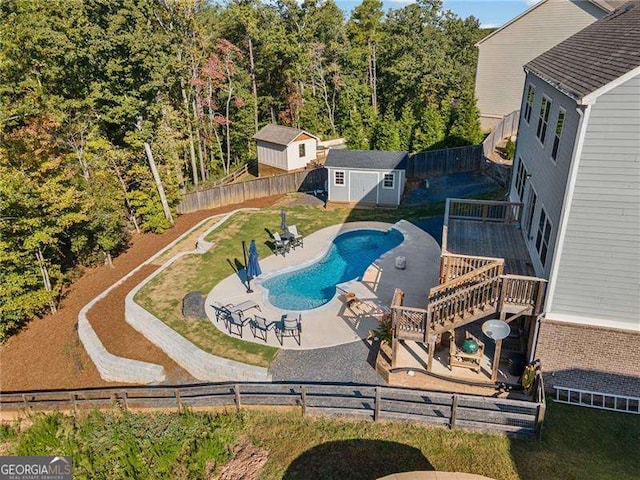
(577, 443)
(163, 295)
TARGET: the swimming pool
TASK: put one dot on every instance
(347, 259)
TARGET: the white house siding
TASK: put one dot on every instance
(295, 161)
(500, 76)
(548, 178)
(272, 154)
(599, 271)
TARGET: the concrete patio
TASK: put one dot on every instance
(335, 323)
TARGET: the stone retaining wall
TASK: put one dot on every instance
(200, 364)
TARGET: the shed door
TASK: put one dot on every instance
(363, 187)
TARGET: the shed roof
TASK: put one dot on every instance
(279, 134)
(605, 5)
(595, 56)
(367, 159)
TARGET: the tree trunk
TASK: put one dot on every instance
(45, 277)
(108, 260)
(200, 154)
(156, 178)
(227, 130)
(254, 87)
(126, 198)
(192, 150)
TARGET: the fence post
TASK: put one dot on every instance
(454, 411)
(376, 406)
(244, 191)
(236, 391)
(303, 394)
(73, 402)
(26, 403)
(178, 401)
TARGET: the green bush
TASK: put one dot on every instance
(510, 149)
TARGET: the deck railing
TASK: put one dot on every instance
(454, 266)
(480, 211)
(523, 291)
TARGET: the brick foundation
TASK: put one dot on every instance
(589, 358)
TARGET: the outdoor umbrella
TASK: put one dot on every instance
(253, 265)
(283, 220)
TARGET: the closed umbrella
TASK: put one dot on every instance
(253, 265)
(283, 220)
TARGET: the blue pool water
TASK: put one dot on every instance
(347, 259)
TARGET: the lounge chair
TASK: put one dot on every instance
(243, 306)
(260, 327)
(281, 245)
(289, 326)
(222, 312)
(237, 321)
(294, 237)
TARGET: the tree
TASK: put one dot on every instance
(429, 130)
(385, 133)
(366, 32)
(465, 126)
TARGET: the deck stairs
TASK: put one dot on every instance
(471, 288)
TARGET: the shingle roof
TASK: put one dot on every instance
(595, 56)
(279, 134)
(367, 159)
(604, 5)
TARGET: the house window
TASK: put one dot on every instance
(543, 120)
(544, 233)
(301, 150)
(531, 208)
(521, 178)
(388, 180)
(338, 177)
(528, 106)
(556, 139)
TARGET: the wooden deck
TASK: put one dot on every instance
(487, 229)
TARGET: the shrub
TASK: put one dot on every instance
(510, 149)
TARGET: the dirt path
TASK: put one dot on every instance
(47, 353)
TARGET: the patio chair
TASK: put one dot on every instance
(281, 245)
(260, 327)
(289, 326)
(222, 312)
(237, 321)
(243, 306)
(295, 238)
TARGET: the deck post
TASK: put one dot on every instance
(376, 406)
(432, 347)
(26, 403)
(496, 361)
(125, 400)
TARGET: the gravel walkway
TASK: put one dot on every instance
(351, 362)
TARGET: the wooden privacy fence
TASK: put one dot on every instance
(445, 161)
(511, 417)
(507, 127)
(233, 193)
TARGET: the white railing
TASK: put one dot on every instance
(600, 400)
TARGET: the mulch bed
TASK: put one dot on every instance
(47, 353)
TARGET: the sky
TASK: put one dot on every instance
(492, 13)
